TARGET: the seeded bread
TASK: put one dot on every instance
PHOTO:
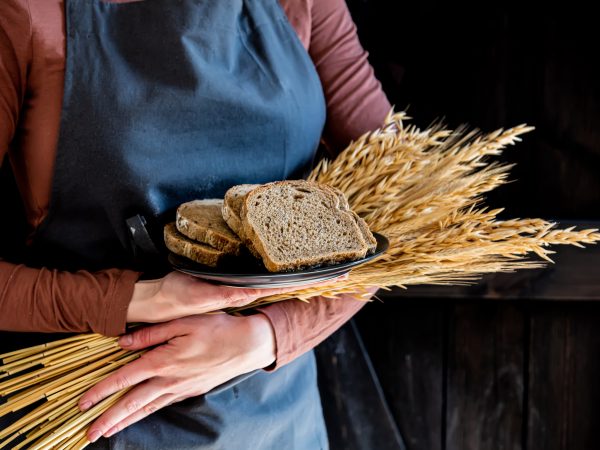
(297, 224)
(202, 221)
(196, 251)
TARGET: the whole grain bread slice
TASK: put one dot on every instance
(196, 251)
(202, 221)
(366, 233)
(297, 223)
(232, 205)
(364, 228)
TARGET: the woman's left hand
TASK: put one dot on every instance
(197, 354)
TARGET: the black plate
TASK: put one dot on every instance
(251, 273)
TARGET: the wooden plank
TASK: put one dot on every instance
(564, 369)
(485, 377)
(405, 341)
(354, 407)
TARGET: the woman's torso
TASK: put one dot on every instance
(33, 150)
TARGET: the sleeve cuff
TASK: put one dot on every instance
(300, 326)
(115, 316)
(282, 329)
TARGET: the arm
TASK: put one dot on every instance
(46, 300)
(355, 100)
(15, 54)
(355, 105)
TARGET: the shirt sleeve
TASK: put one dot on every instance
(355, 104)
(15, 52)
(43, 300)
(40, 299)
(355, 100)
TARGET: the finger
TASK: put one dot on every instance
(282, 290)
(139, 399)
(149, 336)
(233, 296)
(154, 406)
(151, 407)
(264, 292)
(129, 375)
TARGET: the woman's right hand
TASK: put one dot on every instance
(179, 295)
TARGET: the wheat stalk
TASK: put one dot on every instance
(422, 189)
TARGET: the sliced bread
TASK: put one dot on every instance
(232, 204)
(364, 228)
(296, 224)
(196, 251)
(366, 233)
(202, 221)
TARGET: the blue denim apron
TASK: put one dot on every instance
(166, 101)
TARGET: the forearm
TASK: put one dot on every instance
(43, 300)
(298, 326)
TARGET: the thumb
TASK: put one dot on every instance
(291, 289)
(148, 336)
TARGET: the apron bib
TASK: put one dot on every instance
(166, 101)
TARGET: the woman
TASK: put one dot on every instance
(112, 112)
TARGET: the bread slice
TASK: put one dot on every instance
(196, 251)
(364, 228)
(202, 220)
(232, 204)
(366, 233)
(296, 224)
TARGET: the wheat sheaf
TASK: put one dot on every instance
(422, 189)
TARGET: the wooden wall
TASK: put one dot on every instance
(496, 65)
(513, 362)
(501, 365)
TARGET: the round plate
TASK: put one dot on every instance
(251, 273)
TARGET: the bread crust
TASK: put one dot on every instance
(232, 203)
(196, 251)
(202, 221)
(364, 228)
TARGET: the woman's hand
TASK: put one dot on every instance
(197, 354)
(178, 295)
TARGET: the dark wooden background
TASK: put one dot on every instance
(513, 362)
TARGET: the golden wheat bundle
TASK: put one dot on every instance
(67, 368)
(422, 189)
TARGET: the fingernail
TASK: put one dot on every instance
(125, 341)
(85, 406)
(95, 436)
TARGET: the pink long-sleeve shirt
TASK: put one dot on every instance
(32, 64)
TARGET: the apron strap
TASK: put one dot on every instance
(141, 241)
